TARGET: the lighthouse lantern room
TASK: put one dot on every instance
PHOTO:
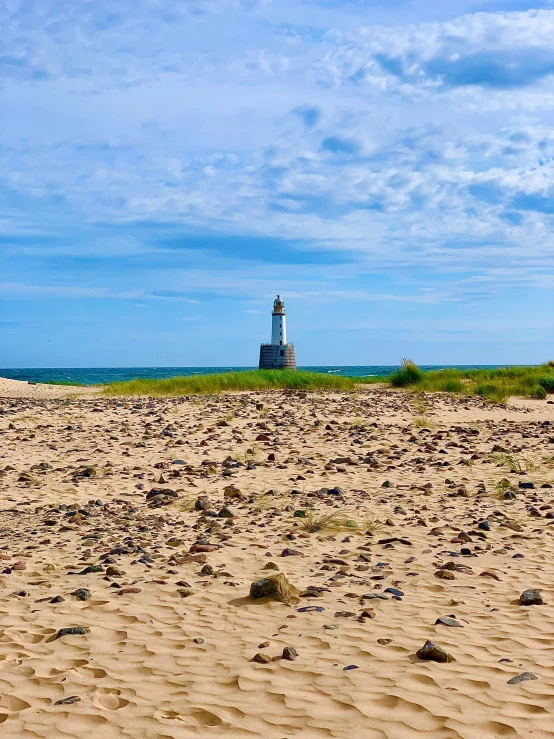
(278, 354)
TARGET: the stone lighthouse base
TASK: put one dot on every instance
(275, 356)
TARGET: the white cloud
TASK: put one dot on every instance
(427, 148)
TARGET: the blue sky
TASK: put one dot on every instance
(167, 167)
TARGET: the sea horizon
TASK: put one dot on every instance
(102, 375)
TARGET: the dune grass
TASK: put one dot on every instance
(408, 374)
(232, 381)
(68, 383)
(496, 385)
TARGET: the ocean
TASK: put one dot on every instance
(101, 375)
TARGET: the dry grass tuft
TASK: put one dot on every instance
(316, 522)
(509, 460)
(424, 422)
(502, 486)
(372, 525)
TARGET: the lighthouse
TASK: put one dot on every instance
(278, 354)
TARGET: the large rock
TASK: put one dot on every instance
(82, 594)
(277, 587)
(231, 492)
(290, 654)
(261, 658)
(531, 597)
(86, 472)
(434, 653)
(445, 575)
(165, 492)
(448, 621)
(28, 478)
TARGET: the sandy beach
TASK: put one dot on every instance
(20, 389)
(140, 524)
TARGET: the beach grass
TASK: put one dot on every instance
(315, 522)
(496, 385)
(68, 383)
(232, 381)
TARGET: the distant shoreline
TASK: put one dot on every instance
(496, 385)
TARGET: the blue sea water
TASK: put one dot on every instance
(100, 375)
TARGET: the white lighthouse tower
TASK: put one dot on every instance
(279, 323)
(278, 354)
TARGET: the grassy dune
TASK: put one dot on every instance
(228, 381)
(496, 385)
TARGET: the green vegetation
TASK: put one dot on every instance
(424, 422)
(514, 463)
(408, 374)
(497, 385)
(494, 384)
(502, 487)
(547, 382)
(233, 381)
(69, 383)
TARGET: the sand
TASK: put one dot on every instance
(169, 644)
(20, 389)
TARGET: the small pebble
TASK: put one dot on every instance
(68, 701)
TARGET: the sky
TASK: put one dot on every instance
(167, 168)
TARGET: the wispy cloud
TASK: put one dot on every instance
(344, 151)
(21, 290)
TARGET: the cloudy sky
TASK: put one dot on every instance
(167, 166)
